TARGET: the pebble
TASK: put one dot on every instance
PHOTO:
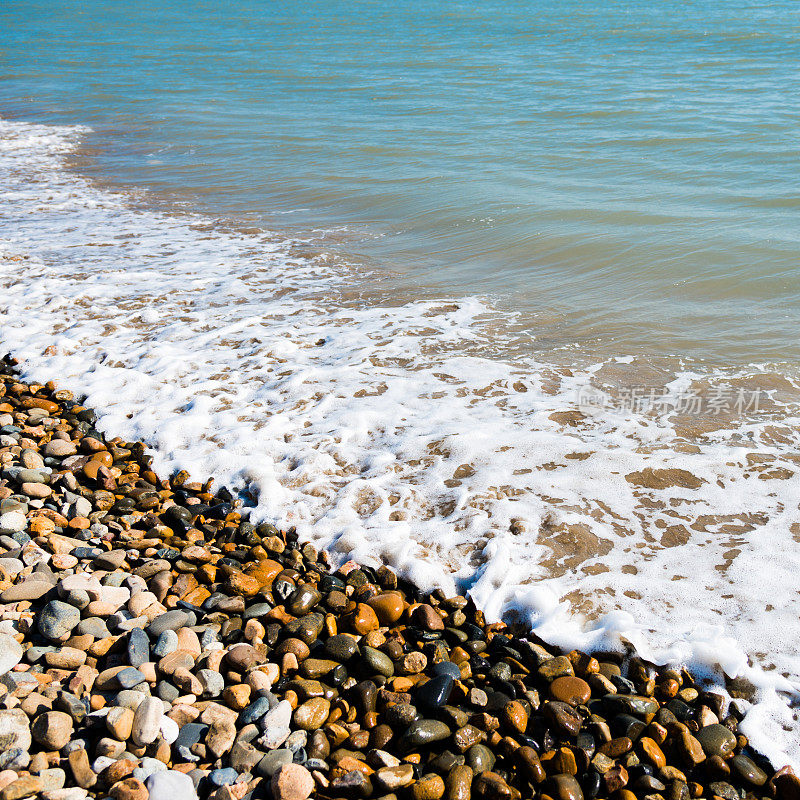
(292, 782)
(571, 690)
(15, 732)
(10, 653)
(146, 724)
(57, 619)
(170, 785)
(52, 729)
(716, 740)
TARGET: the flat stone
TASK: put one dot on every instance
(716, 740)
(424, 732)
(171, 621)
(170, 785)
(748, 770)
(273, 761)
(129, 677)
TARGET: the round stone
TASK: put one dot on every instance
(303, 599)
(312, 714)
(377, 662)
(364, 619)
(428, 618)
(15, 732)
(480, 758)
(716, 740)
(428, 787)
(171, 621)
(292, 782)
(434, 693)
(273, 761)
(564, 787)
(388, 606)
(170, 785)
(341, 647)
(571, 690)
(57, 619)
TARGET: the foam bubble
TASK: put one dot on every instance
(386, 434)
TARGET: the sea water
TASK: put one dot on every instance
(501, 294)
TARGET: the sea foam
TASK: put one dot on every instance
(385, 432)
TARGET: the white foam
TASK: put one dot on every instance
(389, 442)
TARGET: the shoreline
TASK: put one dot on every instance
(474, 454)
(414, 695)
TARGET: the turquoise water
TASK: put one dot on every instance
(624, 173)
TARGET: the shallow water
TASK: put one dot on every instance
(623, 172)
(384, 433)
(505, 302)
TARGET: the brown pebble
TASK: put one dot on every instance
(364, 619)
(564, 787)
(515, 716)
(572, 690)
(129, 789)
(117, 771)
(81, 769)
(388, 606)
(428, 787)
(459, 783)
(428, 618)
(490, 785)
(652, 752)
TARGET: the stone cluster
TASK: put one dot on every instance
(155, 644)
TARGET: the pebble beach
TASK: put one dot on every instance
(156, 644)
